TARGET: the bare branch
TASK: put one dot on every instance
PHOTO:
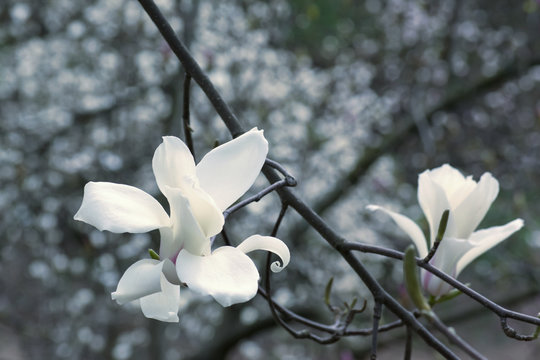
(440, 235)
(511, 332)
(408, 344)
(377, 313)
(453, 337)
(278, 184)
(345, 248)
(185, 116)
(495, 308)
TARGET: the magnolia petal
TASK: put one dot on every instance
(445, 259)
(186, 232)
(228, 275)
(163, 305)
(448, 253)
(172, 163)
(140, 279)
(433, 285)
(120, 208)
(268, 243)
(447, 177)
(169, 270)
(205, 210)
(433, 200)
(229, 170)
(174, 168)
(169, 245)
(483, 240)
(471, 211)
(460, 192)
(408, 226)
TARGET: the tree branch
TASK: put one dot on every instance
(288, 198)
(185, 116)
(192, 67)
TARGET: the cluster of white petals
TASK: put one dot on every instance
(197, 196)
(468, 201)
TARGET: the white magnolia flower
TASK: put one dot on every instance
(445, 188)
(197, 195)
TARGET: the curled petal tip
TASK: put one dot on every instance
(276, 266)
(268, 243)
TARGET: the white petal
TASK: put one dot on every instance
(186, 232)
(445, 259)
(169, 270)
(205, 210)
(408, 226)
(447, 177)
(140, 279)
(175, 170)
(228, 275)
(433, 200)
(229, 170)
(169, 245)
(460, 192)
(471, 211)
(120, 208)
(483, 240)
(163, 305)
(268, 243)
(433, 285)
(172, 163)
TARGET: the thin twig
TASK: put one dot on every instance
(255, 198)
(489, 304)
(281, 169)
(440, 235)
(302, 334)
(511, 332)
(192, 67)
(185, 115)
(453, 337)
(408, 344)
(282, 212)
(232, 123)
(377, 313)
(291, 315)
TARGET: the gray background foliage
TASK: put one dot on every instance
(356, 98)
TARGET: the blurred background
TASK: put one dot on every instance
(356, 99)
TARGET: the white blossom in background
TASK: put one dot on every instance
(468, 201)
(197, 195)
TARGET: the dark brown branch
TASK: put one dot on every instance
(495, 308)
(185, 116)
(511, 332)
(278, 184)
(287, 197)
(281, 169)
(408, 344)
(454, 338)
(440, 235)
(232, 123)
(298, 334)
(377, 313)
(282, 212)
(192, 67)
